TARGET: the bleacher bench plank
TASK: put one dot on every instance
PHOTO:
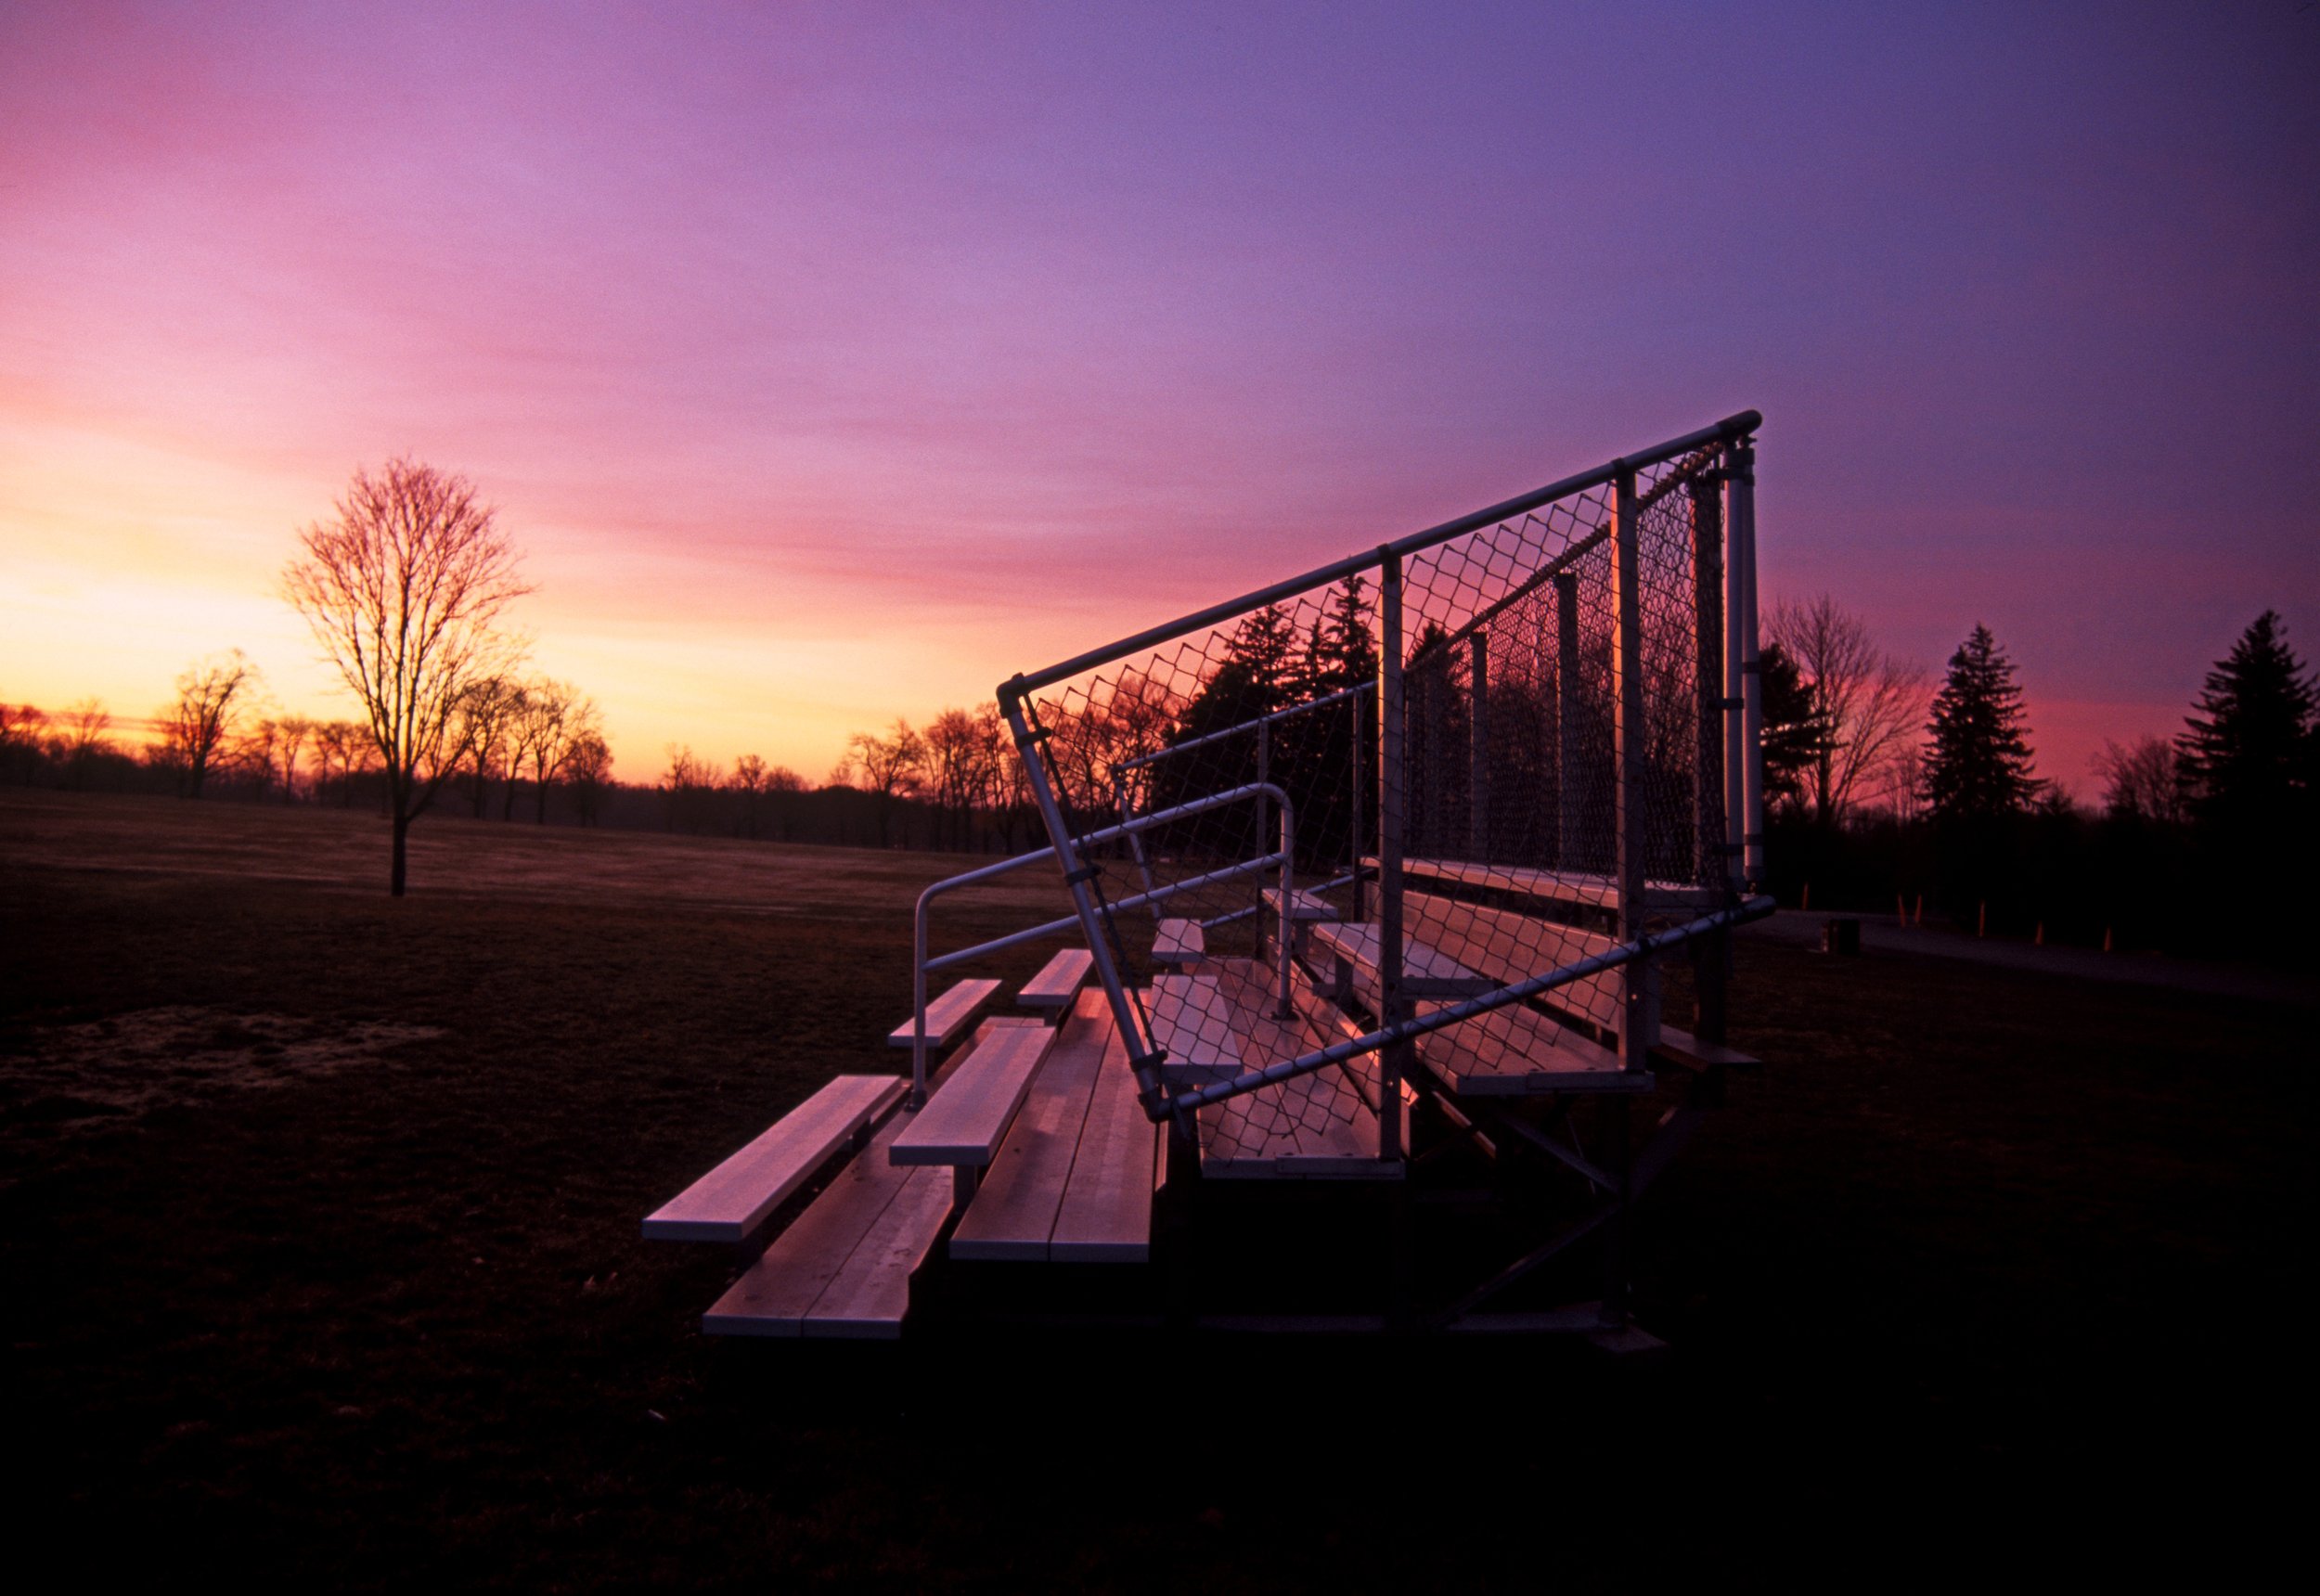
(1312, 1126)
(964, 1121)
(1304, 906)
(844, 1267)
(1508, 947)
(1581, 888)
(1513, 1052)
(1013, 1211)
(949, 1017)
(1427, 971)
(1194, 1025)
(730, 1202)
(1105, 1217)
(1178, 942)
(1057, 984)
(1687, 1051)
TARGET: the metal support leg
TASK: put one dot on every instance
(1707, 654)
(1354, 708)
(1616, 1155)
(1639, 1011)
(1751, 678)
(1395, 1061)
(1478, 738)
(1570, 727)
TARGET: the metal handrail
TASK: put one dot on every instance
(920, 963)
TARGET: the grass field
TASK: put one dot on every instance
(319, 1260)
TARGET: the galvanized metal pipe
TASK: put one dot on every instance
(1570, 731)
(1752, 664)
(1394, 1008)
(1707, 655)
(1629, 738)
(1141, 900)
(1471, 1008)
(1135, 839)
(1478, 747)
(1735, 700)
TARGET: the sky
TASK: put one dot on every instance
(834, 363)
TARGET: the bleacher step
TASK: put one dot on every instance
(1056, 988)
(949, 1016)
(730, 1202)
(843, 1268)
(1178, 944)
(1074, 1180)
(963, 1122)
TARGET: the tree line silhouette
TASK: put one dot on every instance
(2208, 841)
(1883, 789)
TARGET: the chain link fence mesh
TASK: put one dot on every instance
(1509, 806)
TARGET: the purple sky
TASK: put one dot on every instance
(833, 363)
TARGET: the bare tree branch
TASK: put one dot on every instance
(404, 592)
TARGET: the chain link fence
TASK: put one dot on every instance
(1405, 783)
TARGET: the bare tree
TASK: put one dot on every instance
(345, 746)
(749, 786)
(254, 751)
(404, 590)
(554, 715)
(211, 696)
(587, 770)
(1866, 704)
(82, 736)
(887, 766)
(294, 730)
(961, 769)
(483, 731)
(782, 787)
(23, 732)
(2141, 779)
(688, 787)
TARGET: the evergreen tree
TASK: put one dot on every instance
(1979, 765)
(1262, 645)
(1348, 644)
(1794, 732)
(2245, 760)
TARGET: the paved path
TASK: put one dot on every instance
(1881, 934)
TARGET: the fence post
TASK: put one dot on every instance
(1707, 610)
(1743, 538)
(1570, 726)
(1395, 1058)
(1711, 956)
(1353, 847)
(1479, 734)
(1077, 874)
(1629, 738)
(1264, 773)
(1136, 846)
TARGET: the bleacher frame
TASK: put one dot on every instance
(1403, 1007)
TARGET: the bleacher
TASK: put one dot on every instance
(1395, 916)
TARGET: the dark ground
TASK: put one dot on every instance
(319, 1261)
